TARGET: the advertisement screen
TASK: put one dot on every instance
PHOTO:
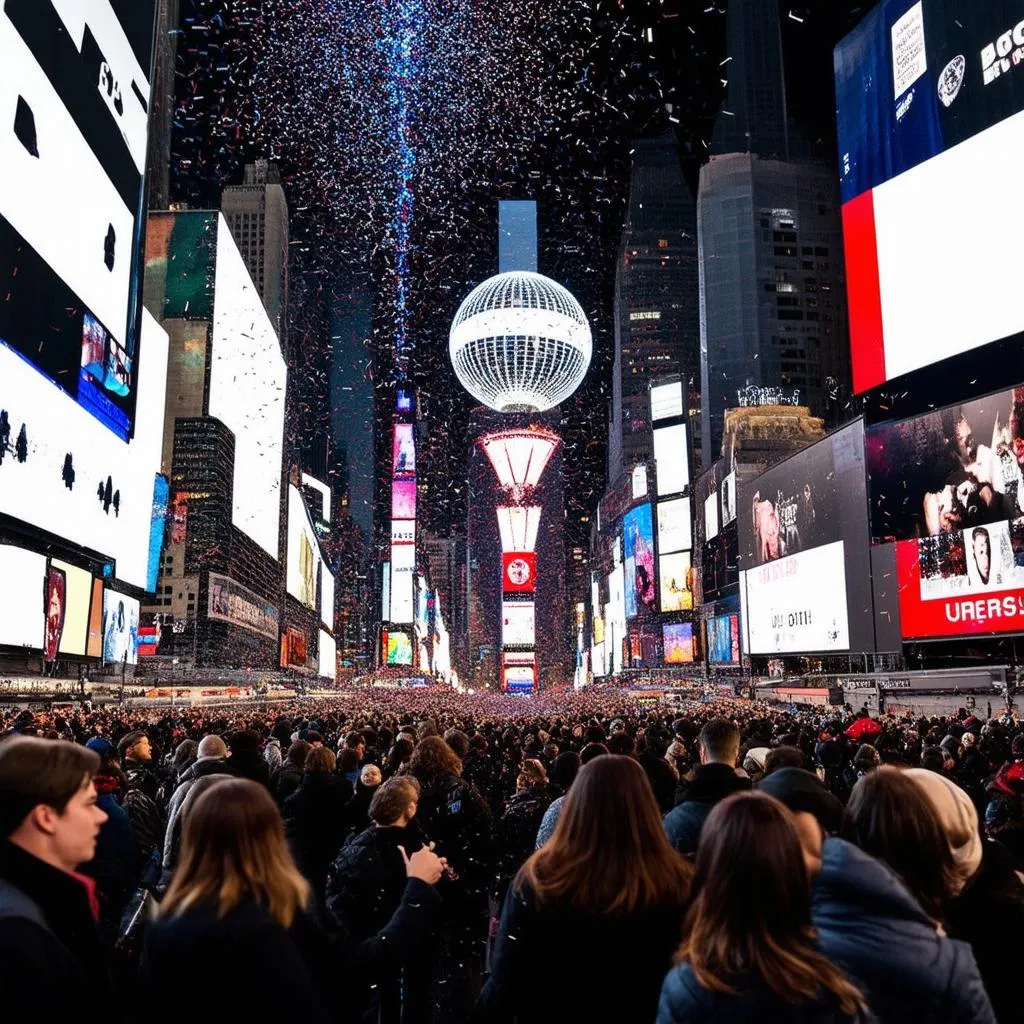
(638, 482)
(326, 596)
(158, 520)
(231, 602)
(94, 645)
(727, 498)
(304, 560)
(671, 459)
(638, 544)
(675, 530)
(666, 401)
(615, 619)
(75, 90)
(711, 516)
(247, 386)
(674, 582)
(22, 619)
(385, 601)
(677, 638)
(519, 572)
(798, 604)
(403, 499)
(930, 99)
(724, 640)
(403, 562)
(77, 595)
(517, 624)
(403, 531)
(403, 451)
(120, 629)
(327, 659)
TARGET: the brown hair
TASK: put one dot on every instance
(890, 817)
(751, 912)
(320, 761)
(233, 849)
(432, 757)
(35, 771)
(609, 852)
(393, 797)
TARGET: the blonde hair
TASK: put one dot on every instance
(233, 849)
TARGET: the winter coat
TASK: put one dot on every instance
(549, 822)
(57, 971)
(989, 914)
(315, 823)
(711, 783)
(684, 1001)
(140, 775)
(116, 866)
(554, 963)
(172, 837)
(287, 781)
(272, 755)
(870, 925)
(662, 778)
(249, 764)
(517, 832)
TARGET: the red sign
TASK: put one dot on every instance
(972, 611)
(519, 568)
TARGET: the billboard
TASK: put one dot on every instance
(94, 643)
(303, 551)
(403, 562)
(517, 624)
(403, 450)
(675, 529)
(930, 99)
(518, 679)
(674, 582)
(327, 657)
(638, 545)
(77, 596)
(385, 600)
(957, 515)
(403, 531)
(518, 572)
(667, 401)
(671, 459)
(711, 516)
(723, 633)
(326, 596)
(403, 499)
(22, 597)
(120, 629)
(247, 386)
(399, 648)
(229, 601)
(677, 639)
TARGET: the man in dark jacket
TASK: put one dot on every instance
(53, 966)
(136, 756)
(714, 780)
(245, 758)
(517, 829)
(660, 773)
(291, 770)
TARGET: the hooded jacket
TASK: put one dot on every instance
(870, 925)
(711, 783)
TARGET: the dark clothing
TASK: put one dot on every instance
(57, 972)
(287, 782)
(357, 814)
(662, 779)
(684, 1001)
(870, 925)
(989, 914)
(141, 776)
(116, 866)
(249, 764)
(314, 821)
(558, 964)
(711, 783)
(517, 832)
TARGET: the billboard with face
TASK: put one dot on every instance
(638, 545)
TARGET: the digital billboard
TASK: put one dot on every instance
(157, 524)
(399, 648)
(385, 599)
(326, 596)
(94, 644)
(120, 629)
(674, 582)
(230, 602)
(723, 632)
(671, 459)
(303, 551)
(519, 572)
(403, 562)
(327, 656)
(667, 401)
(638, 481)
(77, 596)
(930, 99)
(247, 389)
(518, 678)
(615, 619)
(956, 513)
(677, 639)
(638, 545)
(727, 498)
(675, 529)
(517, 624)
(403, 450)
(75, 92)
(22, 595)
(711, 516)
(403, 499)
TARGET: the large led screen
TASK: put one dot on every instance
(403, 562)
(230, 602)
(403, 453)
(22, 594)
(517, 624)
(519, 572)
(638, 543)
(327, 657)
(77, 596)
(120, 629)
(675, 529)
(724, 640)
(304, 560)
(671, 459)
(956, 511)
(403, 499)
(399, 648)
(677, 638)
(674, 573)
(247, 386)
(326, 596)
(666, 401)
(75, 97)
(930, 97)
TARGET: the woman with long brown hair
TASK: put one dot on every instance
(234, 926)
(748, 950)
(592, 918)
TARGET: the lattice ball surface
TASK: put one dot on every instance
(520, 342)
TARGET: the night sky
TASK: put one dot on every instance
(522, 99)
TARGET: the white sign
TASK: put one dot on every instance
(666, 401)
(675, 531)
(671, 461)
(711, 516)
(797, 605)
(909, 58)
(517, 624)
(640, 481)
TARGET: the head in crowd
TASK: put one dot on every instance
(212, 747)
(184, 754)
(532, 773)
(783, 757)
(48, 800)
(357, 742)
(719, 742)
(394, 803)
(609, 852)
(621, 743)
(751, 909)
(433, 758)
(867, 758)
(590, 751)
(565, 769)
(135, 747)
(458, 741)
(233, 849)
(320, 761)
(297, 753)
(815, 811)
(370, 776)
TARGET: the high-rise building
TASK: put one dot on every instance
(161, 106)
(773, 315)
(257, 213)
(657, 326)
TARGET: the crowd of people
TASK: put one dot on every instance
(408, 856)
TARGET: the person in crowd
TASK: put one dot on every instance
(867, 759)
(211, 759)
(135, 754)
(245, 759)
(357, 814)
(784, 756)
(290, 775)
(713, 780)
(348, 767)
(184, 756)
(517, 829)
(753, 763)
(237, 907)
(356, 741)
(397, 756)
(53, 965)
(315, 819)
(748, 951)
(172, 846)
(550, 820)
(603, 899)
(273, 756)
(660, 773)
(458, 741)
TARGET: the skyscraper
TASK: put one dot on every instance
(257, 213)
(773, 318)
(657, 328)
(161, 106)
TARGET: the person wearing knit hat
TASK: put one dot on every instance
(986, 908)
